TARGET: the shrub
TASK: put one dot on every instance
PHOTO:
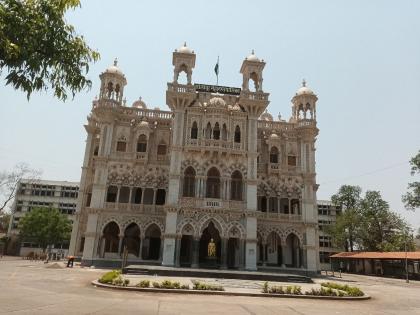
(109, 276)
(265, 287)
(205, 286)
(156, 284)
(276, 290)
(185, 287)
(120, 281)
(296, 289)
(143, 284)
(351, 291)
(168, 284)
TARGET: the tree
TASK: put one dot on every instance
(39, 50)
(412, 198)
(4, 222)
(367, 223)
(9, 182)
(344, 232)
(381, 229)
(45, 226)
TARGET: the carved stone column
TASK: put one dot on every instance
(223, 252)
(195, 252)
(177, 251)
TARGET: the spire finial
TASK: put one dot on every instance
(303, 82)
(185, 44)
(252, 52)
(115, 61)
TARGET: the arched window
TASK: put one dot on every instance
(208, 131)
(111, 236)
(237, 137)
(96, 151)
(236, 186)
(216, 132)
(213, 183)
(110, 89)
(224, 133)
(142, 143)
(161, 149)
(122, 144)
(194, 131)
(189, 182)
(274, 155)
(111, 195)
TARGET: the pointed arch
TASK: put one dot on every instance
(189, 182)
(236, 186)
(213, 183)
(237, 136)
(194, 130)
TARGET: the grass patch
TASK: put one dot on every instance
(350, 291)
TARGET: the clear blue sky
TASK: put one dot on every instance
(362, 58)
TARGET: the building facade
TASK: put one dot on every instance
(216, 168)
(327, 216)
(31, 194)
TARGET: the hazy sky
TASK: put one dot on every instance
(362, 58)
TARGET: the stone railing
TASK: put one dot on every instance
(281, 216)
(306, 123)
(211, 143)
(181, 88)
(260, 96)
(190, 202)
(275, 125)
(134, 207)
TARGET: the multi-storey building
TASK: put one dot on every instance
(327, 215)
(31, 194)
(216, 168)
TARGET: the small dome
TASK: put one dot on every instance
(185, 50)
(266, 116)
(252, 57)
(274, 136)
(144, 123)
(217, 102)
(236, 107)
(156, 108)
(114, 68)
(139, 104)
(304, 89)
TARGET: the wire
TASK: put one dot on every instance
(367, 173)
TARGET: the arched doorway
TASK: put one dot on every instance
(274, 250)
(151, 246)
(111, 238)
(210, 232)
(293, 251)
(132, 239)
(186, 246)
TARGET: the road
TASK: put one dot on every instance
(31, 288)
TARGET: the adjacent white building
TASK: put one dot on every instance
(215, 168)
(327, 215)
(40, 193)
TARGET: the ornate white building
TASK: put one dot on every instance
(217, 166)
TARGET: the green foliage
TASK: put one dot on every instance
(167, 284)
(367, 223)
(290, 289)
(412, 198)
(110, 276)
(120, 281)
(197, 285)
(45, 226)
(265, 287)
(4, 222)
(39, 50)
(322, 292)
(143, 284)
(350, 291)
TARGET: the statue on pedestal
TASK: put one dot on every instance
(211, 249)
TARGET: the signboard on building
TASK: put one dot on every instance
(217, 89)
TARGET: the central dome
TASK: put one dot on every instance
(114, 68)
(217, 102)
(252, 57)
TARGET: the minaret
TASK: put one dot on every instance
(178, 98)
(113, 82)
(304, 115)
(254, 101)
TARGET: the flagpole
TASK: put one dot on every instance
(217, 74)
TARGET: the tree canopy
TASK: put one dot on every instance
(412, 198)
(367, 223)
(39, 50)
(45, 226)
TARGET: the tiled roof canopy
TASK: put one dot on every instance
(378, 255)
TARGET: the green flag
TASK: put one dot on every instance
(216, 67)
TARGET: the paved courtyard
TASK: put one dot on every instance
(31, 288)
